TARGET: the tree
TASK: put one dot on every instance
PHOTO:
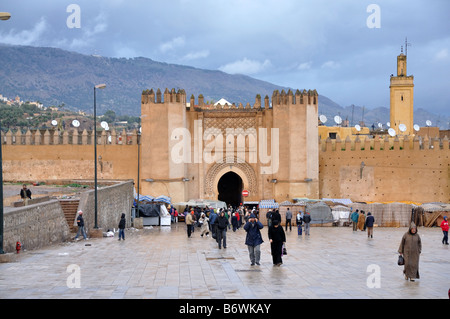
(109, 116)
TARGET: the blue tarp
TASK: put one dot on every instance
(147, 198)
(269, 203)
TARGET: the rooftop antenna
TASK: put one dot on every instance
(406, 46)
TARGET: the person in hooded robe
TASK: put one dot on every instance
(277, 239)
(410, 248)
(361, 220)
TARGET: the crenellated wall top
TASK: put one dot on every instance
(368, 144)
(305, 97)
(67, 137)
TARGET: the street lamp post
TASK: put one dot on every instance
(100, 86)
(3, 16)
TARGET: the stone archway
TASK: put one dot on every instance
(229, 188)
(218, 170)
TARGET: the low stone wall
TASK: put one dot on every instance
(44, 224)
(112, 201)
(35, 226)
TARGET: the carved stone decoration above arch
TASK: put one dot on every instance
(217, 170)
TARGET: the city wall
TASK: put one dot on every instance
(361, 169)
(391, 169)
(35, 157)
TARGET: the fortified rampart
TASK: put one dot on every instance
(390, 169)
(53, 155)
(365, 169)
(202, 136)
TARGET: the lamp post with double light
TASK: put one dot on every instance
(3, 16)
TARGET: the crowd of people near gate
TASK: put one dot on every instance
(217, 221)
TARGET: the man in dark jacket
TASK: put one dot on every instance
(307, 220)
(222, 224)
(80, 224)
(254, 238)
(370, 220)
(25, 194)
(122, 224)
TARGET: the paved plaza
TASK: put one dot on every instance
(162, 263)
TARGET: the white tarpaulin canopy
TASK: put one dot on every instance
(340, 212)
(217, 204)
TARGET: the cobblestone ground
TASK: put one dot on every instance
(162, 263)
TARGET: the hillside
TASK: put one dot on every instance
(54, 77)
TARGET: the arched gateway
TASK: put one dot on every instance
(189, 149)
(226, 181)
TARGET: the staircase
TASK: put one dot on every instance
(70, 208)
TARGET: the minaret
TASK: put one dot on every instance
(402, 98)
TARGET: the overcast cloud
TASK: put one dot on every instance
(325, 45)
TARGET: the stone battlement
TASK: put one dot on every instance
(385, 144)
(304, 97)
(67, 137)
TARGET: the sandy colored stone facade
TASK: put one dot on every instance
(272, 148)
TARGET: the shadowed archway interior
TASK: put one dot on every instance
(230, 188)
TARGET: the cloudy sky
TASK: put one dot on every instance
(345, 49)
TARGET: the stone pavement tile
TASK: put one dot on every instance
(162, 263)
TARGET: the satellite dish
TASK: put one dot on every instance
(391, 132)
(388, 124)
(358, 128)
(75, 123)
(380, 125)
(402, 127)
(429, 123)
(54, 122)
(104, 124)
(416, 128)
(338, 119)
(323, 119)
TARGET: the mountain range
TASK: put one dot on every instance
(54, 77)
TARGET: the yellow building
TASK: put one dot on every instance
(333, 132)
(402, 99)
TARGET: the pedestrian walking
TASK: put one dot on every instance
(288, 219)
(277, 239)
(299, 223)
(234, 221)
(361, 221)
(204, 230)
(411, 248)
(355, 216)
(189, 223)
(25, 194)
(269, 217)
(176, 216)
(276, 216)
(212, 223)
(80, 224)
(253, 239)
(122, 224)
(307, 221)
(444, 227)
(370, 221)
(222, 224)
